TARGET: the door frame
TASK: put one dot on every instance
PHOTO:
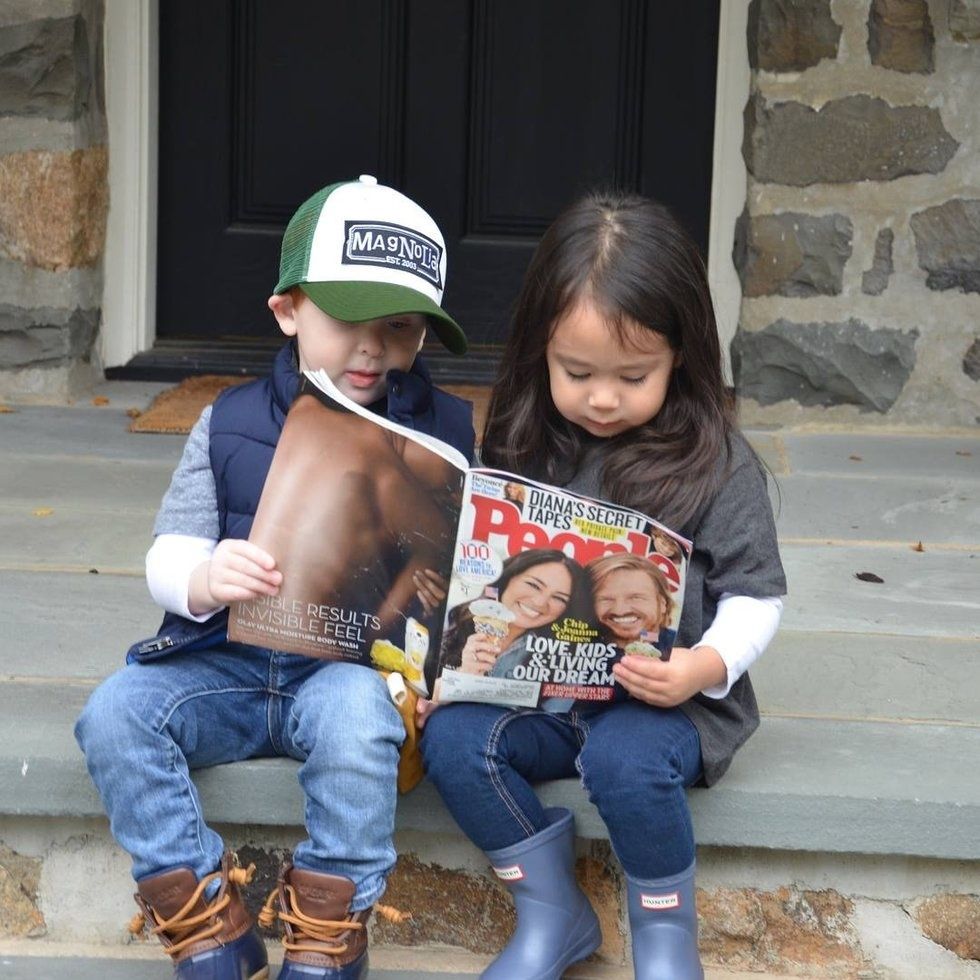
(130, 261)
(132, 77)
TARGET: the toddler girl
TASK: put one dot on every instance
(611, 385)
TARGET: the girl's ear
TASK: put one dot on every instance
(284, 310)
(678, 359)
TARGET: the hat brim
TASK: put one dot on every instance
(357, 301)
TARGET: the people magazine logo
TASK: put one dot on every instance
(661, 903)
(392, 247)
(514, 873)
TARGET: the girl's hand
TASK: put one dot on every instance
(237, 570)
(479, 654)
(430, 587)
(668, 683)
(425, 706)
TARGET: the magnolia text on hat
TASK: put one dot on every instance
(384, 244)
(361, 251)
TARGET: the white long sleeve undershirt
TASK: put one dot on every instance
(741, 631)
(169, 564)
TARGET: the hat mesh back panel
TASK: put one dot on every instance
(298, 239)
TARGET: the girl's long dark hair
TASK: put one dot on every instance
(630, 257)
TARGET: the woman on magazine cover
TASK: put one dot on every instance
(536, 588)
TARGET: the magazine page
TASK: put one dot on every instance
(548, 590)
(353, 508)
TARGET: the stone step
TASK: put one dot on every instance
(76, 625)
(837, 487)
(75, 432)
(855, 781)
(84, 430)
(929, 594)
(879, 454)
(77, 961)
(799, 784)
(869, 675)
(934, 510)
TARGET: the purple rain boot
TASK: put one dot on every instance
(556, 925)
(664, 928)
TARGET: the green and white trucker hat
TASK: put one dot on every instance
(362, 251)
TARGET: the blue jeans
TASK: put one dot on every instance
(634, 760)
(147, 726)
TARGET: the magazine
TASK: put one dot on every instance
(472, 583)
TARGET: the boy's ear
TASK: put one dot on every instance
(284, 310)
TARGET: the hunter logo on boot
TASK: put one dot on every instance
(514, 873)
(660, 903)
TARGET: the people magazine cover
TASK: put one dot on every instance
(472, 584)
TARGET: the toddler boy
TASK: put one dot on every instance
(362, 275)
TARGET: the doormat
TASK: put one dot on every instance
(177, 409)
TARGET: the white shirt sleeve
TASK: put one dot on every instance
(741, 631)
(169, 563)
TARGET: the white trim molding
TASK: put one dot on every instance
(131, 67)
(729, 179)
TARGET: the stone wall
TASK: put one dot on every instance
(859, 247)
(53, 195)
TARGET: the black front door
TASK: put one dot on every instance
(492, 114)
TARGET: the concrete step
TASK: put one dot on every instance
(854, 782)
(800, 784)
(854, 652)
(869, 676)
(77, 961)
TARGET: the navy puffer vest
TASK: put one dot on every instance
(245, 425)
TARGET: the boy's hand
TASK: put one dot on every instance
(668, 683)
(237, 570)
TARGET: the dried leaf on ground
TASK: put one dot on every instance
(100, 400)
(43, 511)
(868, 577)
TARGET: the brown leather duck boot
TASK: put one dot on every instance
(207, 940)
(322, 937)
